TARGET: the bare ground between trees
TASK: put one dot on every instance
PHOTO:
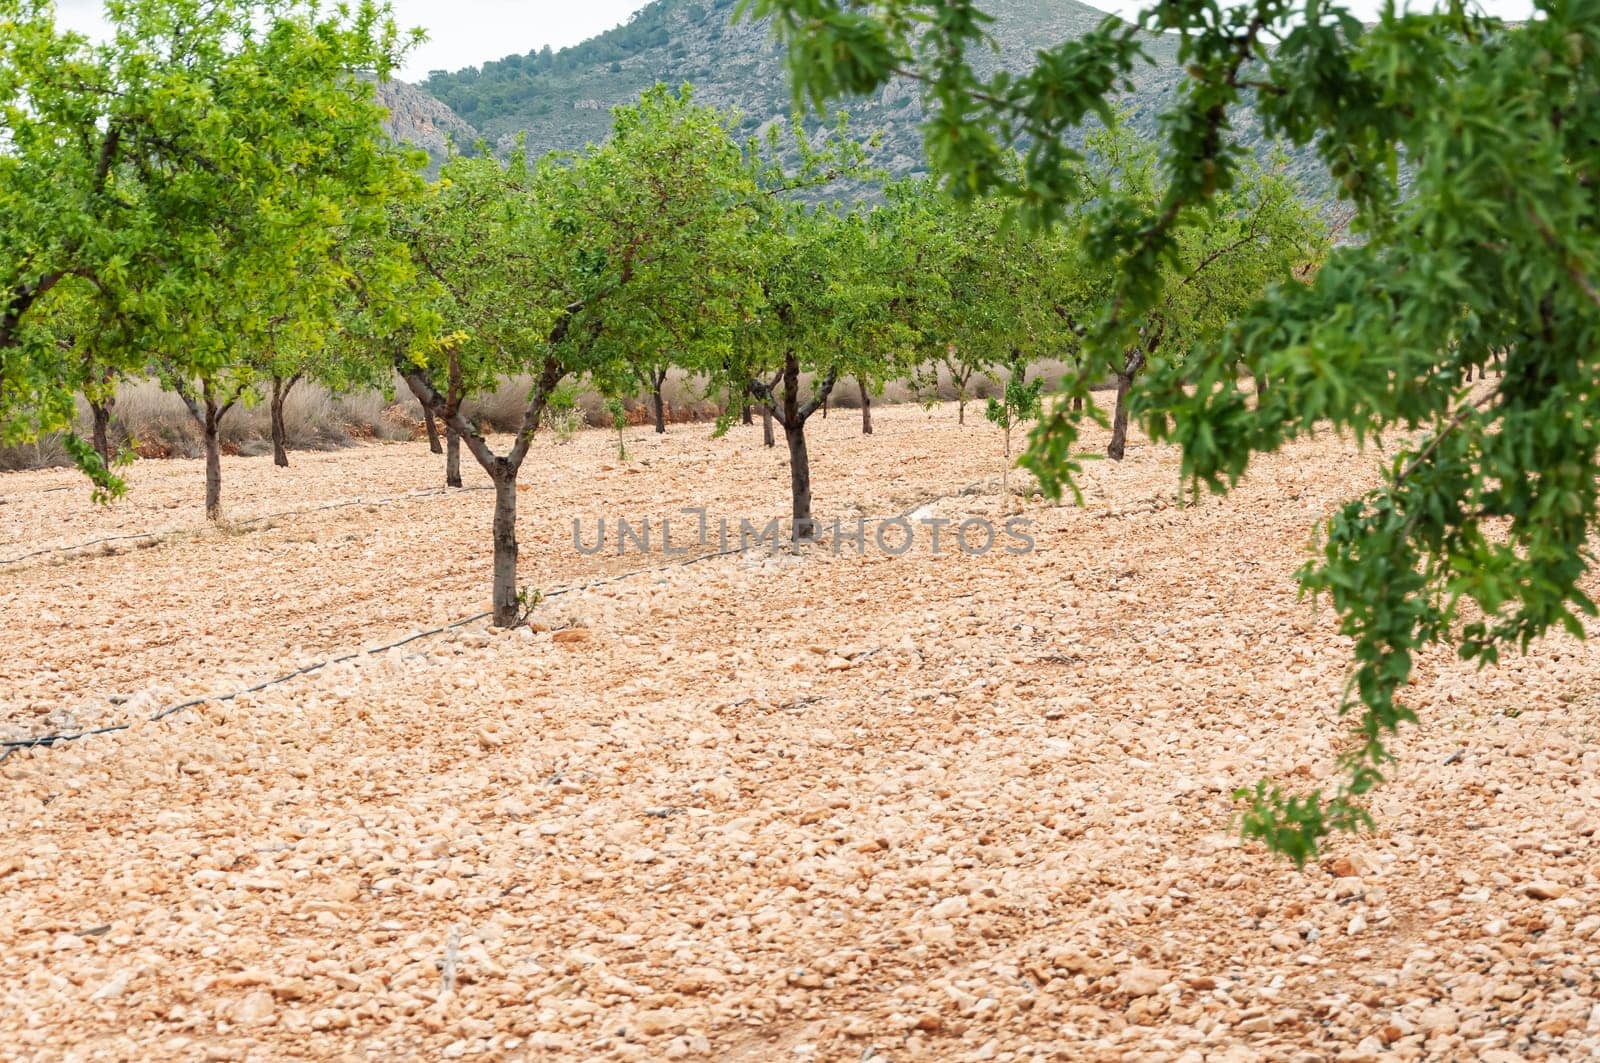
(761, 807)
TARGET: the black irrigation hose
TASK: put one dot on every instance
(50, 740)
(381, 501)
(13, 745)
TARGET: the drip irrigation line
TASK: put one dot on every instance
(51, 740)
(85, 545)
(381, 501)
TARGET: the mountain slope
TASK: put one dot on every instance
(562, 100)
(421, 120)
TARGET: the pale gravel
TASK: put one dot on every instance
(760, 807)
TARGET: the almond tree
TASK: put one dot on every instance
(983, 304)
(1253, 235)
(827, 289)
(231, 351)
(182, 171)
(1491, 249)
(82, 325)
(329, 358)
(561, 268)
(1018, 403)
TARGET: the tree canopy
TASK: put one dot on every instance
(1468, 152)
(194, 175)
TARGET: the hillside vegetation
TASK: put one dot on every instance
(562, 100)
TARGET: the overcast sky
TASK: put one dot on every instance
(468, 32)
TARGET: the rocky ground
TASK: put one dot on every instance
(761, 806)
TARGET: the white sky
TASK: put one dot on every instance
(468, 32)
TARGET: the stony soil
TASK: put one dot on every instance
(758, 807)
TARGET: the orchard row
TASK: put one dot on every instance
(220, 210)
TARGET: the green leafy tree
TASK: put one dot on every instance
(826, 312)
(183, 171)
(563, 268)
(1018, 403)
(473, 239)
(1252, 235)
(232, 352)
(619, 421)
(82, 326)
(986, 293)
(1479, 535)
(331, 359)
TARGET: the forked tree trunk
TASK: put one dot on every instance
(502, 472)
(101, 412)
(792, 414)
(280, 431)
(866, 407)
(209, 417)
(452, 457)
(434, 446)
(1130, 369)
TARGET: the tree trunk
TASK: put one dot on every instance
(452, 458)
(766, 427)
(659, 405)
(800, 482)
(434, 446)
(1261, 385)
(454, 393)
(213, 467)
(866, 407)
(793, 418)
(280, 433)
(505, 548)
(1119, 420)
(209, 418)
(746, 416)
(1005, 469)
(1130, 369)
(101, 411)
(280, 454)
(502, 472)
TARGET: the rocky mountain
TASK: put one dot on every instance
(422, 121)
(562, 100)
